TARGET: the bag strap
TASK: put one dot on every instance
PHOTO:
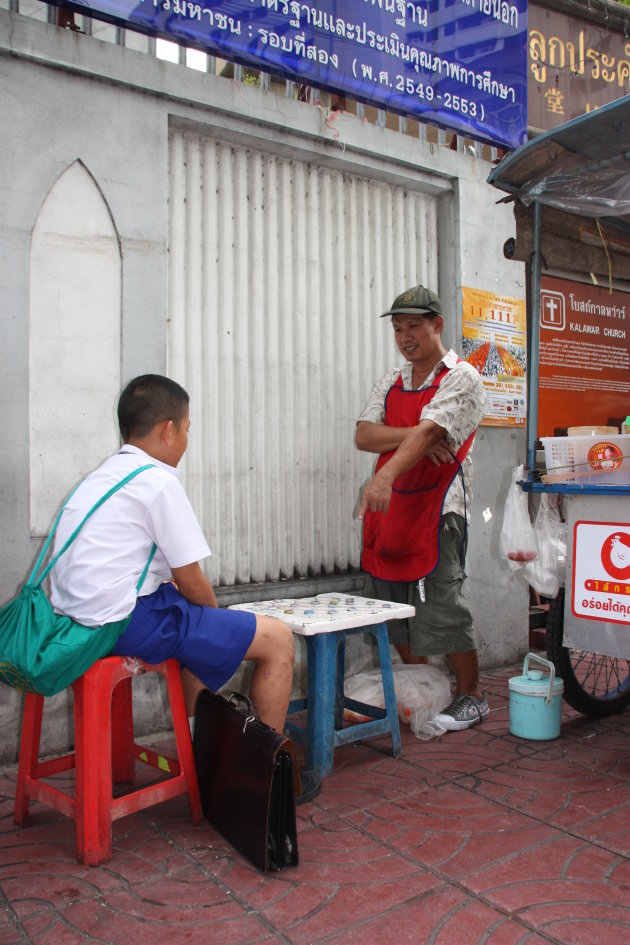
(146, 569)
(36, 581)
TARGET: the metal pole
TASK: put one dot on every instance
(532, 401)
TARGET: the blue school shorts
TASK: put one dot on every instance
(210, 642)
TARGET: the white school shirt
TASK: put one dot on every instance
(94, 581)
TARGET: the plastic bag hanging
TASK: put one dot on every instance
(517, 542)
(546, 574)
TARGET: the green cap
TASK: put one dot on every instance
(416, 301)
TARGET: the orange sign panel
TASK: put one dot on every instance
(584, 366)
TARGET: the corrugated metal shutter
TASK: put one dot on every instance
(278, 270)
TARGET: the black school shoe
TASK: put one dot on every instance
(311, 786)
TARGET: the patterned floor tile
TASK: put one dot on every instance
(577, 799)
(333, 909)
(10, 931)
(451, 830)
(446, 916)
(475, 838)
(121, 923)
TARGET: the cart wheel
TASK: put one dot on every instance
(595, 685)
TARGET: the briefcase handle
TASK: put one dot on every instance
(244, 706)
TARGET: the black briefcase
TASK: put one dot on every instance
(247, 780)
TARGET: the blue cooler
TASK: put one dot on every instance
(536, 701)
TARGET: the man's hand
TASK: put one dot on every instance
(441, 453)
(427, 439)
(377, 494)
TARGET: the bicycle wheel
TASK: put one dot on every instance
(595, 685)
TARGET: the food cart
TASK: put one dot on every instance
(571, 192)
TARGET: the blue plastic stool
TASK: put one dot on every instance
(325, 700)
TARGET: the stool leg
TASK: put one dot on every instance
(123, 755)
(93, 790)
(321, 673)
(339, 682)
(387, 676)
(182, 736)
(102, 714)
(29, 751)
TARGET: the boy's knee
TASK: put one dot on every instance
(276, 637)
(285, 639)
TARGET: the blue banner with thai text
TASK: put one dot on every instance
(460, 64)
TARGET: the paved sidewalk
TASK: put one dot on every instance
(478, 838)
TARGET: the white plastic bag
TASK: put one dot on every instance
(546, 574)
(517, 542)
(422, 692)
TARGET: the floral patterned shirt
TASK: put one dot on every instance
(457, 406)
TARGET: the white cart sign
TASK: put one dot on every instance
(601, 571)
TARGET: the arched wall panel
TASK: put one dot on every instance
(74, 340)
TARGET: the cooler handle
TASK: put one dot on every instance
(550, 667)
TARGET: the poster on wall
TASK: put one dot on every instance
(584, 365)
(460, 64)
(494, 339)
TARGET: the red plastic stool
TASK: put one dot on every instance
(105, 754)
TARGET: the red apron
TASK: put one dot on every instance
(402, 544)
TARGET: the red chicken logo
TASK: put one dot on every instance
(616, 555)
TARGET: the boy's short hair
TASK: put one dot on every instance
(148, 400)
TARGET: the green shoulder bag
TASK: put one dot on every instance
(41, 651)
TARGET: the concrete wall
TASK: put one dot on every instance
(66, 97)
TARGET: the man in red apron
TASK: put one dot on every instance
(421, 419)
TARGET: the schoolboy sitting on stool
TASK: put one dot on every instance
(94, 582)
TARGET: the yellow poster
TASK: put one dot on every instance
(494, 343)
